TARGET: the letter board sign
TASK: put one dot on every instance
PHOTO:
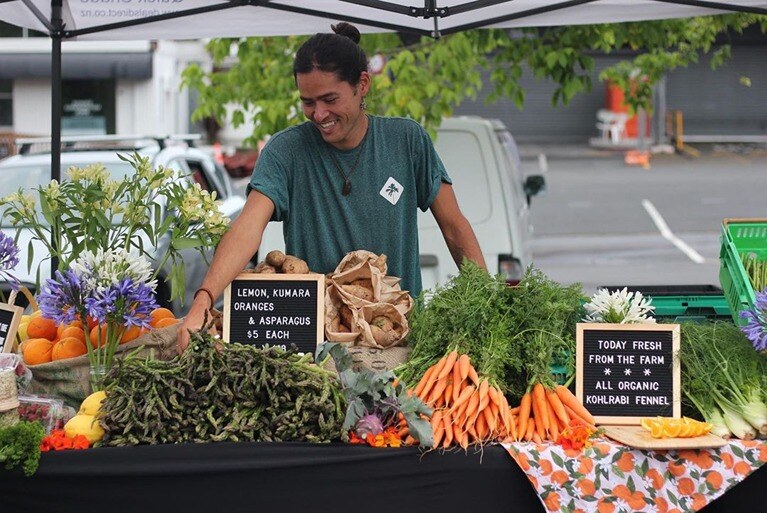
(628, 371)
(10, 318)
(276, 309)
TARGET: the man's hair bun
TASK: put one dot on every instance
(347, 30)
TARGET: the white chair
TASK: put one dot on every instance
(612, 125)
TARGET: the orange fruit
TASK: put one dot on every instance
(37, 351)
(131, 333)
(73, 331)
(40, 327)
(98, 335)
(92, 323)
(68, 347)
(168, 321)
(158, 314)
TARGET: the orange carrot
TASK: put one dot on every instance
(514, 411)
(568, 399)
(483, 429)
(557, 407)
(537, 437)
(457, 383)
(452, 356)
(574, 416)
(448, 438)
(554, 431)
(439, 389)
(424, 380)
(473, 376)
(471, 410)
(524, 413)
(530, 429)
(463, 397)
(490, 420)
(448, 392)
(410, 440)
(513, 428)
(484, 399)
(494, 414)
(463, 366)
(539, 396)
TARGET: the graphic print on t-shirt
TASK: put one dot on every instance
(391, 191)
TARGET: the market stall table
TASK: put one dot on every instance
(287, 477)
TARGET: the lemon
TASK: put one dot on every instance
(85, 425)
(23, 331)
(92, 403)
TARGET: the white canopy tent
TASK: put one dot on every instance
(194, 19)
(158, 19)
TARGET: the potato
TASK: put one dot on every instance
(275, 258)
(264, 268)
(382, 338)
(360, 292)
(294, 265)
(347, 318)
(383, 322)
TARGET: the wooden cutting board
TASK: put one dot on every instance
(639, 438)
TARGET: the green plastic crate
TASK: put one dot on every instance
(740, 236)
(679, 303)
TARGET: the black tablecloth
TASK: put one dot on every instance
(263, 477)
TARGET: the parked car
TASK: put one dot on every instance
(482, 159)
(31, 168)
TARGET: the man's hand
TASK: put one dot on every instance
(193, 321)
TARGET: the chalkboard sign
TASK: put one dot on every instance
(628, 371)
(276, 309)
(10, 317)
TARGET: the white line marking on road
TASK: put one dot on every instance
(667, 234)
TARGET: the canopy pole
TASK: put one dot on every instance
(56, 36)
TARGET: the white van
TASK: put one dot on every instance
(481, 158)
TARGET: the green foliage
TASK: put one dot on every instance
(253, 77)
(20, 446)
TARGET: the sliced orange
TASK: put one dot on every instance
(671, 428)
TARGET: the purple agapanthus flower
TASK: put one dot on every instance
(61, 298)
(126, 302)
(756, 329)
(9, 259)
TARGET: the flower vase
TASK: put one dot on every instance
(98, 372)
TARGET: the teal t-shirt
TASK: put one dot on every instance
(398, 172)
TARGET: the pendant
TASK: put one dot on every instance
(347, 188)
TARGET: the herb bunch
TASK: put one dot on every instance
(20, 446)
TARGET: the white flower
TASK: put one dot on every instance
(619, 307)
(104, 268)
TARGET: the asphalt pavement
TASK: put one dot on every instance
(603, 222)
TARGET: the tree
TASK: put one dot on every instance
(427, 79)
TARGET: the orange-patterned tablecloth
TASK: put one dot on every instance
(611, 478)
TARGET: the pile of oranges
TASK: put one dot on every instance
(45, 342)
(667, 427)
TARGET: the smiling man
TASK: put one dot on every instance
(344, 180)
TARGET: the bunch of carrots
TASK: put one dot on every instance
(545, 412)
(469, 410)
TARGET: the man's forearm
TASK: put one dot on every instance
(462, 243)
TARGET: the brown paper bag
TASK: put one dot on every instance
(382, 325)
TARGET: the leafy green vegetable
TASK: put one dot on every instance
(20, 445)
(369, 393)
(723, 378)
